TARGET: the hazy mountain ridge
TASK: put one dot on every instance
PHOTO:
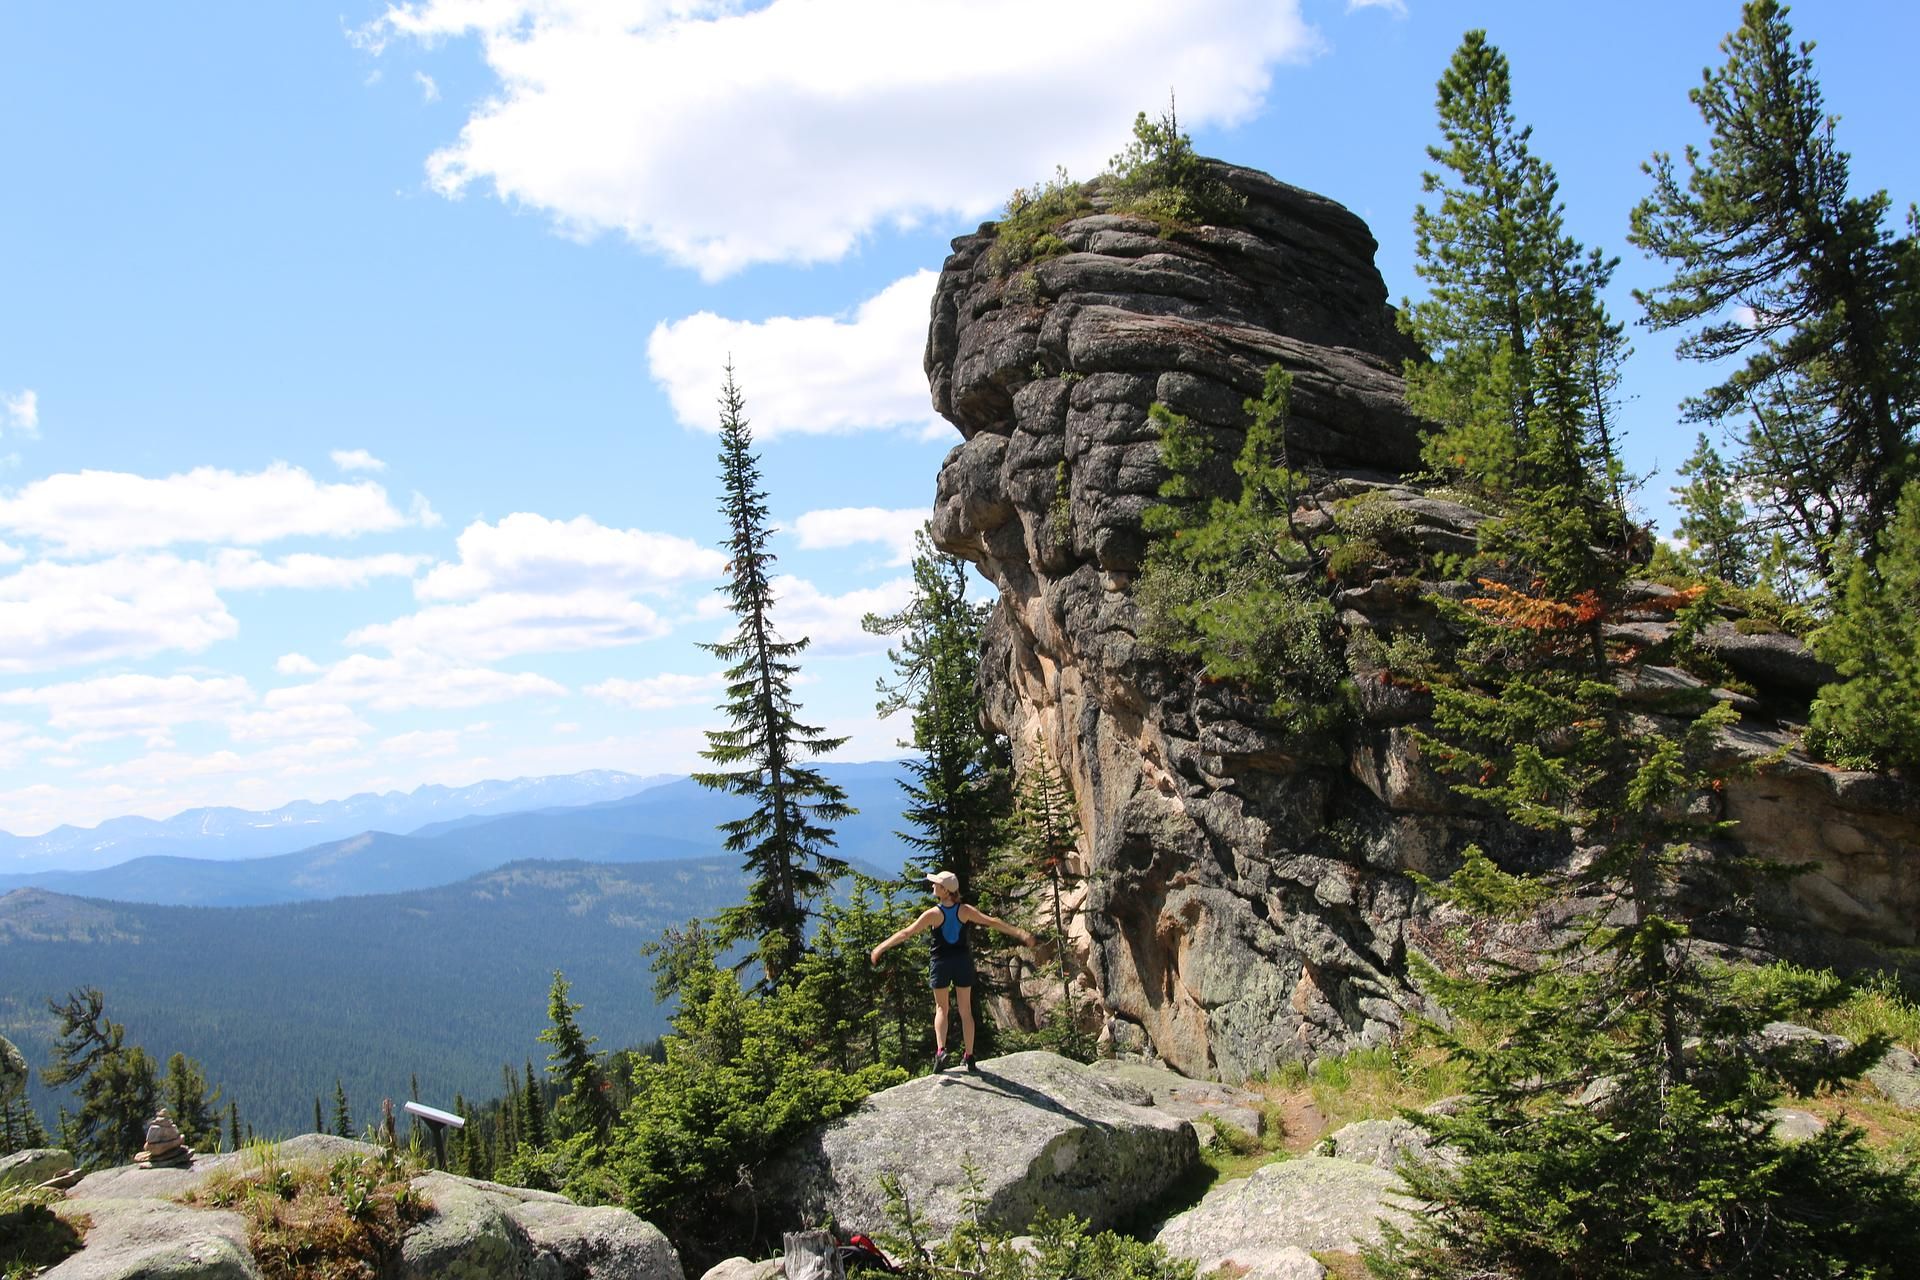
(276, 1001)
(223, 833)
(670, 820)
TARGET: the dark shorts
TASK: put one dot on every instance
(952, 970)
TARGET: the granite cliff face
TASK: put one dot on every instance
(1246, 906)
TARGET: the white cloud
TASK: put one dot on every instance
(421, 512)
(530, 553)
(422, 744)
(11, 555)
(356, 460)
(110, 706)
(411, 680)
(96, 512)
(832, 623)
(507, 623)
(296, 664)
(305, 721)
(805, 374)
(22, 412)
(851, 526)
(236, 570)
(429, 91)
(58, 615)
(834, 117)
(655, 693)
(1395, 7)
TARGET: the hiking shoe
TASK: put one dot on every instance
(969, 1064)
(939, 1061)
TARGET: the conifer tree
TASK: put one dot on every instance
(196, 1114)
(342, 1117)
(585, 1107)
(1777, 261)
(1525, 357)
(1713, 518)
(1870, 718)
(116, 1081)
(233, 1125)
(319, 1122)
(957, 789)
(762, 755)
(1046, 834)
(533, 1112)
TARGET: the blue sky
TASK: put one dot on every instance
(357, 363)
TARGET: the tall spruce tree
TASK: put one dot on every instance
(1525, 356)
(957, 789)
(1046, 834)
(342, 1116)
(585, 1107)
(762, 756)
(533, 1112)
(1777, 261)
(1713, 518)
(1870, 718)
(195, 1112)
(1619, 1120)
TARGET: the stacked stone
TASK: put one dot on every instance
(165, 1148)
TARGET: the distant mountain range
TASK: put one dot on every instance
(446, 984)
(670, 819)
(224, 833)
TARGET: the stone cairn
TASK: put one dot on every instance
(165, 1148)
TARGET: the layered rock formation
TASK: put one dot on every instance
(1244, 906)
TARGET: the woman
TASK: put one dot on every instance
(952, 958)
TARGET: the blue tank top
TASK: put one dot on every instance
(950, 935)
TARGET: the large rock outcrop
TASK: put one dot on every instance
(1038, 1130)
(1248, 907)
(137, 1226)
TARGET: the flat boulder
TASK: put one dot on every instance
(1039, 1131)
(1314, 1203)
(34, 1166)
(128, 1238)
(1384, 1144)
(1201, 1101)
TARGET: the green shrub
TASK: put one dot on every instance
(1160, 176)
(1373, 516)
(1028, 230)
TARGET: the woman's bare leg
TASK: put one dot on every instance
(966, 1018)
(940, 1017)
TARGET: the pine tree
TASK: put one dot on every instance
(118, 1091)
(197, 1114)
(533, 1112)
(1870, 719)
(1046, 835)
(342, 1118)
(1713, 519)
(1525, 357)
(1776, 261)
(319, 1121)
(585, 1106)
(233, 1125)
(957, 789)
(760, 756)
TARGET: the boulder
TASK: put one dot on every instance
(130, 1238)
(1790, 1125)
(477, 1230)
(1197, 1100)
(1040, 1131)
(1313, 1203)
(1897, 1075)
(35, 1166)
(742, 1269)
(1383, 1144)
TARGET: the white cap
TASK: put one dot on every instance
(945, 880)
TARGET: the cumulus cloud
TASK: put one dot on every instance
(656, 693)
(356, 460)
(57, 615)
(422, 744)
(111, 706)
(1396, 7)
(98, 512)
(296, 664)
(408, 681)
(835, 117)
(429, 91)
(850, 526)
(504, 624)
(303, 722)
(805, 374)
(237, 570)
(22, 412)
(529, 553)
(830, 622)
